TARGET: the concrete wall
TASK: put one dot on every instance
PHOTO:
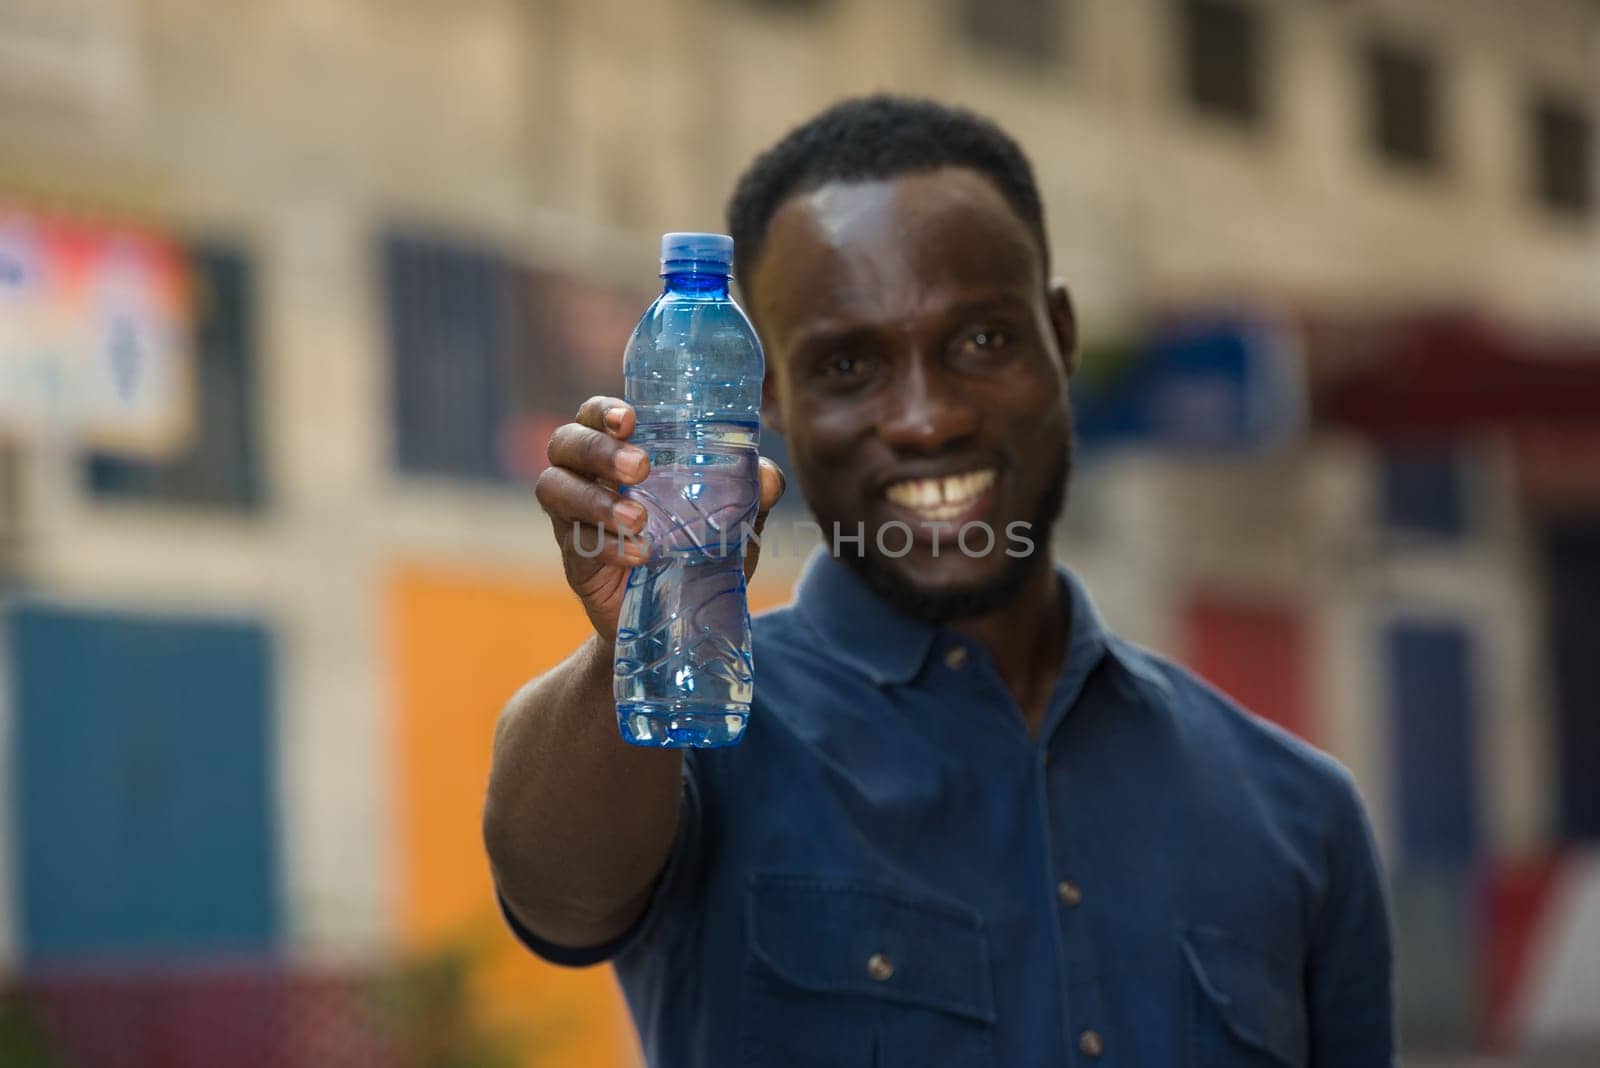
(571, 132)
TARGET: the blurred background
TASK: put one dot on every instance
(292, 294)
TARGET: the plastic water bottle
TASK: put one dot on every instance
(693, 368)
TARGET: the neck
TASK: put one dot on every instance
(696, 284)
(1029, 666)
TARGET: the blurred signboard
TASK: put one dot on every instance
(95, 334)
(1441, 377)
(1224, 383)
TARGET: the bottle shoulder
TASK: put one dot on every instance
(670, 305)
(694, 322)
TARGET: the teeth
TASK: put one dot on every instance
(941, 498)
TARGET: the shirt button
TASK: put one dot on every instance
(1090, 1045)
(880, 967)
(955, 657)
(1069, 893)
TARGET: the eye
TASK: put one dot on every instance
(983, 344)
(988, 339)
(843, 370)
(844, 365)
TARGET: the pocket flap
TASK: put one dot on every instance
(1256, 994)
(850, 937)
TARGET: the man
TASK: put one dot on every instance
(967, 825)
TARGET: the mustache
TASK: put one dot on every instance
(888, 578)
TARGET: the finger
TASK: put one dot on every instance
(773, 483)
(610, 414)
(570, 498)
(585, 547)
(594, 454)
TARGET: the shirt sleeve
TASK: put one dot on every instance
(674, 886)
(1351, 995)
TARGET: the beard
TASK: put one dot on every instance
(981, 598)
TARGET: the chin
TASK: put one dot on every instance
(945, 589)
(950, 570)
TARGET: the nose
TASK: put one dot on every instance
(925, 411)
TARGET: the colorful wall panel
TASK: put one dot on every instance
(1255, 651)
(144, 755)
(461, 643)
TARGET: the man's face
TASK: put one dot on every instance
(917, 364)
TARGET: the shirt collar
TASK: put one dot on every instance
(859, 628)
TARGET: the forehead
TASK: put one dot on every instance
(889, 251)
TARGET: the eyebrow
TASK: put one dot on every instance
(831, 335)
(1010, 301)
(836, 336)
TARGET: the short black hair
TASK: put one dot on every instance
(876, 137)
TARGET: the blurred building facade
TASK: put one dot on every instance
(1338, 264)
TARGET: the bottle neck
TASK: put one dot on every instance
(696, 284)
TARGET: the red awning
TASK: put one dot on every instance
(1445, 377)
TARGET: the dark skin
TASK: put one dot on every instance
(910, 334)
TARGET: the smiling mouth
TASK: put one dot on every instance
(941, 499)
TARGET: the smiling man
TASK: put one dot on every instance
(967, 824)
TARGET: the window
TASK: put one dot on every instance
(1223, 58)
(220, 465)
(488, 356)
(450, 322)
(1425, 492)
(1403, 105)
(1024, 29)
(1563, 156)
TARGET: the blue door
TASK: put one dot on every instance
(1574, 629)
(1432, 715)
(145, 783)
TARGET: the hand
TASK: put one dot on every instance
(589, 459)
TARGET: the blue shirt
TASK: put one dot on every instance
(890, 871)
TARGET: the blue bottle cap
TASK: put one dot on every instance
(698, 253)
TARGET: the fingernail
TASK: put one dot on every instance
(630, 462)
(629, 514)
(613, 418)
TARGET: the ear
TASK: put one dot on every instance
(1065, 323)
(771, 408)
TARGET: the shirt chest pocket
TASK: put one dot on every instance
(842, 973)
(1245, 1007)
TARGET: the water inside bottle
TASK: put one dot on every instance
(683, 671)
